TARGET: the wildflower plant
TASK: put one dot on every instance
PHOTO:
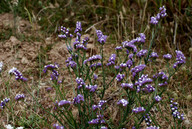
(91, 82)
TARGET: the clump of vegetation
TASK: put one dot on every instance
(141, 91)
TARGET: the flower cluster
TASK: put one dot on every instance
(78, 99)
(129, 63)
(147, 120)
(180, 59)
(122, 102)
(163, 78)
(167, 56)
(101, 38)
(138, 110)
(141, 53)
(99, 105)
(56, 126)
(80, 45)
(91, 88)
(120, 77)
(161, 14)
(70, 62)
(152, 127)
(157, 98)
(55, 74)
(175, 112)
(65, 32)
(148, 89)
(142, 81)
(127, 86)
(18, 74)
(3, 102)
(137, 69)
(64, 103)
(111, 60)
(118, 48)
(78, 27)
(95, 65)
(80, 82)
(98, 120)
(153, 55)
(93, 58)
(131, 44)
(19, 97)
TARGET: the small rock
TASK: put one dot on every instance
(24, 60)
(14, 40)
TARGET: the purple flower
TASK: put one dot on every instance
(94, 107)
(141, 53)
(111, 60)
(4, 102)
(98, 120)
(162, 84)
(80, 82)
(137, 69)
(91, 88)
(167, 56)
(153, 20)
(152, 127)
(147, 120)
(129, 63)
(19, 97)
(72, 64)
(101, 38)
(138, 110)
(104, 127)
(123, 65)
(153, 55)
(96, 65)
(101, 103)
(56, 126)
(78, 27)
(130, 56)
(18, 74)
(64, 103)
(163, 11)
(127, 86)
(118, 48)
(78, 99)
(123, 102)
(94, 58)
(180, 59)
(142, 81)
(175, 112)
(81, 47)
(142, 37)
(95, 76)
(161, 75)
(94, 121)
(50, 67)
(157, 98)
(130, 46)
(65, 33)
(120, 77)
(148, 88)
